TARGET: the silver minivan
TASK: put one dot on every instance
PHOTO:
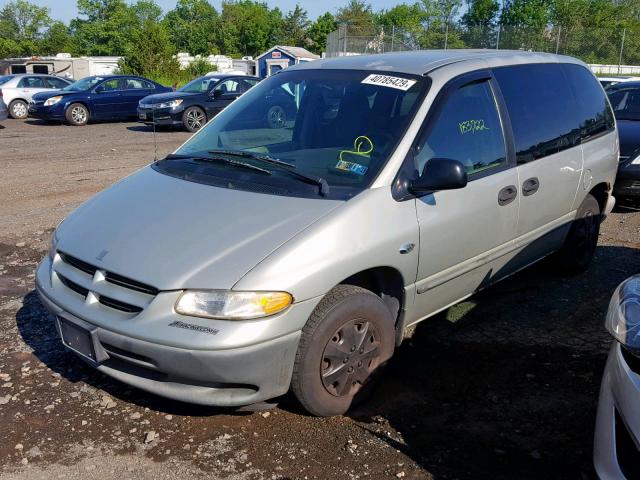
(257, 260)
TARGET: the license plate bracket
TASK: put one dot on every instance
(81, 338)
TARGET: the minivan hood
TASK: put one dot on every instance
(173, 234)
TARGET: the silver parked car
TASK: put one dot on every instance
(618, 423)
(16, 90)
(255, 260)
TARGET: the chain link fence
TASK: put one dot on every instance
(616, 49)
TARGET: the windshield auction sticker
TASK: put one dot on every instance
(403, 84)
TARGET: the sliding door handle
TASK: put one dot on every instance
(530, 186)
(507, 195)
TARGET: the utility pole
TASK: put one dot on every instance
(624, 34)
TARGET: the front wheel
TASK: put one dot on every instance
(77, 114)
(194, 118)
(18, 109)
(347, 340)
(580, 245)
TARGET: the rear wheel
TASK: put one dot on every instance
(77, 114)
(580, 245)
(344, 345)
(18, 109)
(194, 118)
(276, 117)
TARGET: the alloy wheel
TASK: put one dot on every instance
(79, 114)
(19, 110)
(195, 119)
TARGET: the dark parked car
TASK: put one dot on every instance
(625, 100)
(192, 105)
(108, 97)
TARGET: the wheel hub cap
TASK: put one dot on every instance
(349, 357)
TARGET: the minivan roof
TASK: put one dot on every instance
(419, 62)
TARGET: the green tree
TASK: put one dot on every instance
(320, 30)
(247, 27)
(534, 14)
(21, 28)
(405, 22)
(359, 18)
(56, 39)
(481, 13)
(295, 26)
(150, 52)
(192, 26)
(106, 29)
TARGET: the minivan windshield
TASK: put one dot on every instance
(83, 84)
(335, 128)
(625, 103)
(199, 85)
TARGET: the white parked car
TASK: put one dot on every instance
(16, 90)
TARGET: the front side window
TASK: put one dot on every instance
(468, 129)
(541, 108)
(199, 85)
(335, 126)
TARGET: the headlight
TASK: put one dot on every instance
(636, 161)
(52, 101)
(623, 316)
(53, 244)
(230, 305)
(171, 104)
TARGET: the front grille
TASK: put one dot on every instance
(109, 289)
(626, 450)
(73, 286)
(118, 305)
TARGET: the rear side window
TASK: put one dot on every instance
(32, 82)
(56, 82)
(138, 84)
(593, 110)
(541, 108)
(467, 129)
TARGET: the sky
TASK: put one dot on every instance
(65, 10)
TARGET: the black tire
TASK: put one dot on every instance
(276, 117)
(354, 325)
(580, 245)
(77, 114)
(194, 118)
(19, 109)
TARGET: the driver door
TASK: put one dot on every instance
(465, 234)
(222, 95)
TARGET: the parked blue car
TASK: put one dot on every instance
(108, 97)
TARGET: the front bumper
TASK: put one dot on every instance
(54, 112)
(242, 363)
(160, 116)
(627, 181)
(616, 453)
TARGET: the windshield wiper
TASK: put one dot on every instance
(286, 166)
(228, 161)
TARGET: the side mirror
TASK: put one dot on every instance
(440, 174)
(216, 93)
(99, 89)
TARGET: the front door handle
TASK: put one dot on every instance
(507, 195)
(530, 186)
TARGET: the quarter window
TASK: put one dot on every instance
(541, 108)
(467, 129)
(593, 110)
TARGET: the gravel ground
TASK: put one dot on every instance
(502, 386)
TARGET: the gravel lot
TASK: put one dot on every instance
(503, 386)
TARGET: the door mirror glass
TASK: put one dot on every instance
(216, 93)
(440, 174)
